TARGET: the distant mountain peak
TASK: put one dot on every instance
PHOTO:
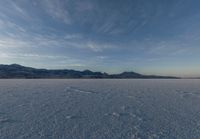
(130, 73)
(19, 71)
(16, 65)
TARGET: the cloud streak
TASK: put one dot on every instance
(57, 10)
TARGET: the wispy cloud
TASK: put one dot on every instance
(38, 59)
(21, 12)
(57, 10)
(82, 6)
(173, 48)
(72, 36)
(98, 47)
(7, 25)
(11, 43)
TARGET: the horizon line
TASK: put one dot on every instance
(181, 77)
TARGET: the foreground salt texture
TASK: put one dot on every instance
(99, 109)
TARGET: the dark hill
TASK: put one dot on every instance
(18, 71)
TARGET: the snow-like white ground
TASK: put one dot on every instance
(99, 109)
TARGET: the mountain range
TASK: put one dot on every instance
(22, 72)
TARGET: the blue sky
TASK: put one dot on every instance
(146, 36)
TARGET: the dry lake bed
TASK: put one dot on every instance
(99, 109)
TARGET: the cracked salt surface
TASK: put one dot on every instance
(74, 89)
(99, 109)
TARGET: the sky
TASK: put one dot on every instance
(148, 36)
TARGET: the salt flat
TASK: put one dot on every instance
(99, 109)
